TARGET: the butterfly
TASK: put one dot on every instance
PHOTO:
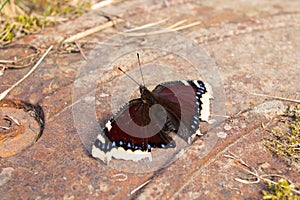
(146, 122)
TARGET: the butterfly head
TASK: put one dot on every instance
(146, 95)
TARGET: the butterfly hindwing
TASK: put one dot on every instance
(126, 137)
(189, 100)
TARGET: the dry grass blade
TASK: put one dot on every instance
(147, 25)
(163, 30)
(246, 181)
(4, 94)
(81, 51)
(252, 171)
(90, 31)
(186, 26)
(139, 187)
(102, 4)
(275, 97)
(12, 119)
(20, 63)
(177, 24)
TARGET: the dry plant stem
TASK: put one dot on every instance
(279, 98)
(7, 61)
(124, 177)
(162, 31)
(139, 187)
(187, 26)
(224, 116)
(177, 24)
(3, 94)
(254, 173)
(90, 31)
(81, 51)
(21, 62)
(12, 64)
(4, 127)
(147, 25)
(102, 4)
(10, 118)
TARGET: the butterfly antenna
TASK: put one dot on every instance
(128, 76)
(138, 56)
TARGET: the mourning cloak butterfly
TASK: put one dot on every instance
(145, 123)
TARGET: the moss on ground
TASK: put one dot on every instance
(20, 18)
(281, 191)
(284, 139)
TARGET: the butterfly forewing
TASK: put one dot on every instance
(128, 130)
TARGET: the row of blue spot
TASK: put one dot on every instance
(200, 91)
(108, 146)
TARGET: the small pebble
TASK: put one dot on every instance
(222, 134)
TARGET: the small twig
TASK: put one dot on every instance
(7, 61)
(5, 128)
(13, 64)
(275, 97)
(187, 26)
(102, 4)
(236, 158)
(177, 24)
(255, 174)
(81, 51)
(90, 31)
(147, 25)
(3, 94)
(53, 18)
(246, 181)
(19, 63)
(139, 187)
(10, 118)
(224, 116)
(277, 175)
(162, 31)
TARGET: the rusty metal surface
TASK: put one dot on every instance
(256, 47)
(21, 126)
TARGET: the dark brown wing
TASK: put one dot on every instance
(132, 129)
(184, 100)
(143, 124)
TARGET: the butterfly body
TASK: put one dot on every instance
(145, 123)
